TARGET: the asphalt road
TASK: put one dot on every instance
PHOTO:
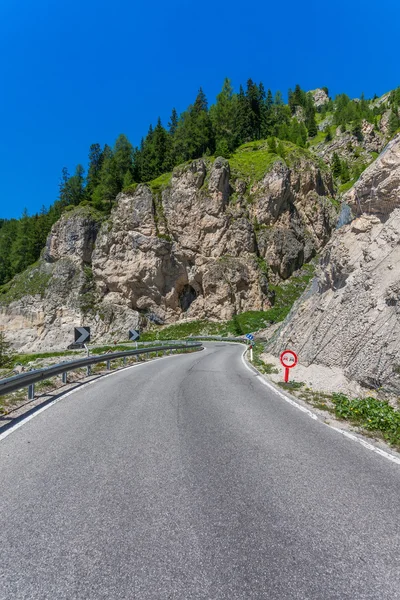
(186, 478)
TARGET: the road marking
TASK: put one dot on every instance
(78, 388)
(313, 416)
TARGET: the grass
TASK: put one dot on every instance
(252, 160)
(374, 415)
(183, 330)
(291, 385)
(287, 292)
(33, 281)
(24, 359)
(157, 185)
(263, 367)
(346, 186)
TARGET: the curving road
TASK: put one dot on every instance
(185, 478)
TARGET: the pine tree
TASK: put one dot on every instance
(194, 135)
(6, 354)
(173, 122)
(123, 159)
(223, 117)
(76, 186)
(393, 123)
(328, 135)
(272, 147)
(336, 166)
(63, 187)
(109, 185)
(95, 162)
(312, 127)
(344, 172)
(243, 121)
(357, 131)
(22, 254)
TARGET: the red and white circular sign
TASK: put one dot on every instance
(289, 359)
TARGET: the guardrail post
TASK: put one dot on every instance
(88, 370)
(31, 391)
(108, 365)
(125, 360)
(65, 377)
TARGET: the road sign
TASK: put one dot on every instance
(288, 360)
(134, 335)
(250, 336)
(82, 335)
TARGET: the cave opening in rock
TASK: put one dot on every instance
(186, 297)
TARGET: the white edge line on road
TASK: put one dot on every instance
(313, 416)
(77, 389)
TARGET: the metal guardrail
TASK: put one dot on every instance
(218, 338)
(28, 379)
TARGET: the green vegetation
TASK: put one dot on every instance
(234, 127)
(157, 185)
(24, 359)
(291, 385)
(265, 368)
(346, 186)
(373, 415)
(287, 292)
(6, 354)
(252, 160)
(183, 330)
(32, 282)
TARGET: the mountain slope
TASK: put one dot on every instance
(350, 317)
(205, 243)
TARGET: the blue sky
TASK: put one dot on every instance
(74, 73)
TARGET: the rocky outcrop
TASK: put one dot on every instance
(320, 97)
(377, 191)
(350, 316)
(200, 247)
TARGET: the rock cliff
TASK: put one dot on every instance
(350, 316)
(202, 243)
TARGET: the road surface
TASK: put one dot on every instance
(186, 478)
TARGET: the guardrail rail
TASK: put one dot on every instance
(28, 379)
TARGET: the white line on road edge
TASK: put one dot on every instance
(313, 416)
(78, 388)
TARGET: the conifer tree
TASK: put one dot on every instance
(21, 252)
(123, 159)
(173, 122)
(95, 162)
(76, 186)
(393, 123)
(344, 172)
(6, 352)
(223, 117)
(336, 166)
(109, 185)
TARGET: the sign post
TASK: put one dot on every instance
(134, 335)
(288, 360)
(250, 340)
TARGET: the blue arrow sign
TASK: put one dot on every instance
(250, 336)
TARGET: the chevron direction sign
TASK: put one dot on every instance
(82, 335)
(134, 335)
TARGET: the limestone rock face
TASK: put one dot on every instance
(350, 317)
(198, 248)
(73, 237)
(295, 215)
(377, 191)
(320, 97)
(55, 290)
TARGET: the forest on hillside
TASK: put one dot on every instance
(201, 130)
